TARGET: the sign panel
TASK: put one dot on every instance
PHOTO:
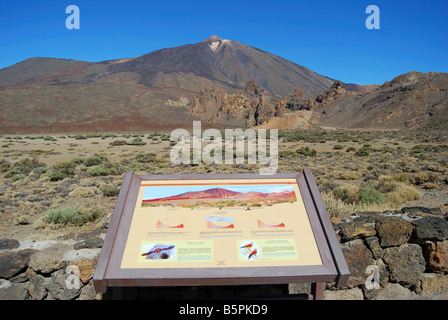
(220, 229)
(219, 224)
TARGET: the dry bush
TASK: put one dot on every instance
(421, 178)
(396, 193)
(347, 193)
(337, 206)
(346, 175)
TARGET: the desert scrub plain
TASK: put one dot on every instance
(54, 186)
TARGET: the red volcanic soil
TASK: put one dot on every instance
(215, 193)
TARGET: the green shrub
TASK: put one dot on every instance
(18, 177)
(72, 216)
(307, 151)
(27, 165)
(62, 170)
(24, 167)
(294, 136)
(10, 173)
(338, 147)
(287, 153)
(55, 175)
(165, 137)
(64, 165)
(110, 191)
(343, 139)
(136, 142)
(118, 143)
(400, 177)
(363, 152)
(145, 158)
(102, 170)
(108, 135)
(40, 170)
(368, 195)
(93, 161)
(418, 149)
(4, 166)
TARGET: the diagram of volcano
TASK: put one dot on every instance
(214, 222)
(226, 196)
(262, 224)
(161, 225)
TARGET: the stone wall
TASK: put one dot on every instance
(53, 269)
(407, 249)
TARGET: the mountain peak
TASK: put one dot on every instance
(212, 38)
(215, 42)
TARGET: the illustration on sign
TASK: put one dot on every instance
(246, 196)
(213, 224)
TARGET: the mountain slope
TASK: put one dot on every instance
(152, 91)
(228, 63)
(412, 100)
(31, 69)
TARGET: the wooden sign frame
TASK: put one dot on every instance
(109, 272)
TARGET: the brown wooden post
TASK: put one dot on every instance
(317, 290)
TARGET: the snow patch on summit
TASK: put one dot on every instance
(217, 43)
(214, 45)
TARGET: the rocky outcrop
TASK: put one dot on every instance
(49, 270)
(294, 101)
(409, 248)
(249, 108)
(412, 100)
(337, 89)
(255, 107)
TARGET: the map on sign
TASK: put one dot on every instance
(219, 223)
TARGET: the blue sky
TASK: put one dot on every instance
(161, 192)
(328, 37)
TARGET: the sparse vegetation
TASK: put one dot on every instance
(110, 191)
(73, 216)
(355, 170)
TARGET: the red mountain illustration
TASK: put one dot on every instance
(220, 193)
